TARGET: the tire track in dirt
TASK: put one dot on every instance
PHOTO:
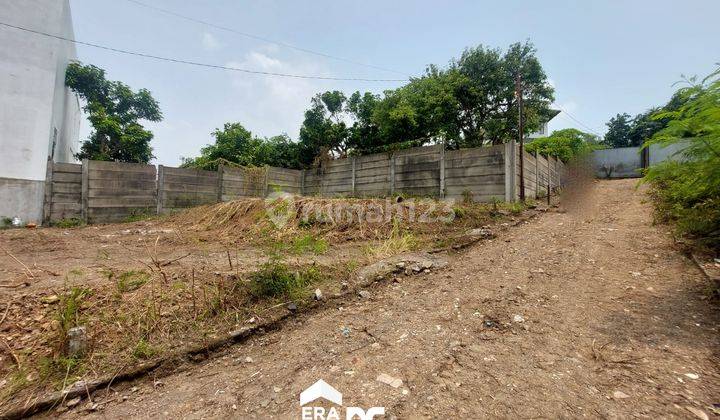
(586, 313)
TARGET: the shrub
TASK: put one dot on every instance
(688, 192)
(68, 223)
(275, 279)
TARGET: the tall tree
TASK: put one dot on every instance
(114, 111)
(324, 133)
(488, 103)
(618, 134)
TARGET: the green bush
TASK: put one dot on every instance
(564, 144)
(275, 279)
(687, 193)
(68, 223)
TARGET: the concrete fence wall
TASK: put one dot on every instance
(628, 162)
(99, 192)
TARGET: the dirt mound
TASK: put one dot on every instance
(334, 219)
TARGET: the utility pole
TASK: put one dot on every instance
(519, 93)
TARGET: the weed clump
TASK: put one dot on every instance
(275, 279)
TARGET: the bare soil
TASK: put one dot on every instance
(146, 290)
(589, 310)
(615, 323)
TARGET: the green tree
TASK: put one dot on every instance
(235, 144)
(324, 133)
(565, 144)
(488, 103)
(114, 111)
(688, 192)
(618, 134)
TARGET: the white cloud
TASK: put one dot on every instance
(270, 105)
(209, 42)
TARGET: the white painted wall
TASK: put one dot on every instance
(34, 101)
(35, 106)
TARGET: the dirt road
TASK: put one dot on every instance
(590, 312)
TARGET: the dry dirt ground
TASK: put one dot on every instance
(590, 312)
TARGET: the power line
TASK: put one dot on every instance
(578, 121)
(198, 64)
(261, 38)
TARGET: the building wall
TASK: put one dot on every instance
(36, 109)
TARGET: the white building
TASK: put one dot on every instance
(39, 116)
(543, 130)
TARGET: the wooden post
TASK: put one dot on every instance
(442, 171)
(353, 176)
(220, 173)
(47, 203)
(537, 175)
(302, 181)
(85, 186)
(519, 91)
(266, 186)
(160, 196)
(392, 174)
(510, 171)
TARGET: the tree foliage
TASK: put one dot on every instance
(114, 111)
(469, 103)
(235, 144)
(619, 128)
(565, 144)
(688, 192)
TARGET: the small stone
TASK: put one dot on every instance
(518, 318)
(344, 286)
(73, 402)
(364, 294)
(427, 265)
(318, 294)
(248, 359)
(77, 341)
(345, 331)
(292, 307)
(389, 380)
(692, 375)
(400, 265)
(277, 389)
(50, 299)
(619, 395)
(264, 403)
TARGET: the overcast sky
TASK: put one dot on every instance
(603, 57)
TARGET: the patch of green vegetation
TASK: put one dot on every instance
(309, 243)
(275, 279)
(16, 381)
(138, 215)
(68, 314)
(131, 280)
(61, 368)
(514, 207)
(460, 212)
(5, 222)
(68, 223)
(144, 350)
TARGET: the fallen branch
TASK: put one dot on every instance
(29, 273)
(166, 263)
(6, 312)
